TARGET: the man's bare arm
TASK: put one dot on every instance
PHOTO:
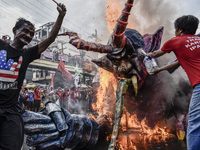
(54, 32)
(174, 65)
(155, 54)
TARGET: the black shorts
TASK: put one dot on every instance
(11, 129)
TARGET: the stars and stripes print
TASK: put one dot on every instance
(9, 70)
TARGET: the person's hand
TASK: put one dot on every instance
(155, 71)
(149, 54)
(61, 9)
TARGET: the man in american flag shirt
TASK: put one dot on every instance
(14, 60)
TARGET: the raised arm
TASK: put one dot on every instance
(54, 32)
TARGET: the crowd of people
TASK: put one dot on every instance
(75, 100)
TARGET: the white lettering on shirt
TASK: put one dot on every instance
(192, 43)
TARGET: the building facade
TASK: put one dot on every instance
(41, 70)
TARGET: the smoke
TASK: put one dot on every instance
(150, 15)
(147, 17)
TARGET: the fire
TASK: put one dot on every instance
(114, 9)
(106, 94)
(136, 134)
(131, 122)
(132, 132)
(112, 13)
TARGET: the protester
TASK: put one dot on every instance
(186, 47)
(65, 98)
(72, 100)
(37, 98)
(78, 94)
(22, 99)
(30, 99)
(15, 60)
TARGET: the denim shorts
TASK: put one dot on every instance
(193, 130)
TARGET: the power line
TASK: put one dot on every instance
(68, 21)
(53, 17)
(44, 4)
(64, 18)
(33, 10)
(6, 12)
(17, 10)
(40, 9)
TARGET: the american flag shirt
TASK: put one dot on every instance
(9, 70)
(13, 66)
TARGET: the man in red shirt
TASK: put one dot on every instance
(65, 97)
(186, 47)
(37, 98)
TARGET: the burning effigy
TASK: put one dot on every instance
(136, 103)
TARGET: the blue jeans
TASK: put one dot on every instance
(193, 130)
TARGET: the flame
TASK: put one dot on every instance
(112, 14)
(135, 133)
(106, 95)
(132, 132)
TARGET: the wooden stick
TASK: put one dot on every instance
(55, 2)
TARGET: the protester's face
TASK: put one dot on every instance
(25, 34)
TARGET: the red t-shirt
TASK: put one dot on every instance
(187, 50)
(64, 95)
(73, 95)
(37, 94)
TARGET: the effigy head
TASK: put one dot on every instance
(124, 61)
(127, 61)
(135, 37)
(125, 49)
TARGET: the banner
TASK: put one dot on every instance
(88, 67)
(62, 77)
(52, 83)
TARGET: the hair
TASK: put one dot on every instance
(188, 24)
(22, 21)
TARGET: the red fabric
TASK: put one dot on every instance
(65, 73)
(37, 94)
(52, 83)
(59, 93)
(187, 50)
(73, 95)
(64, 95)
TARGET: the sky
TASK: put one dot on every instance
(84, 16)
